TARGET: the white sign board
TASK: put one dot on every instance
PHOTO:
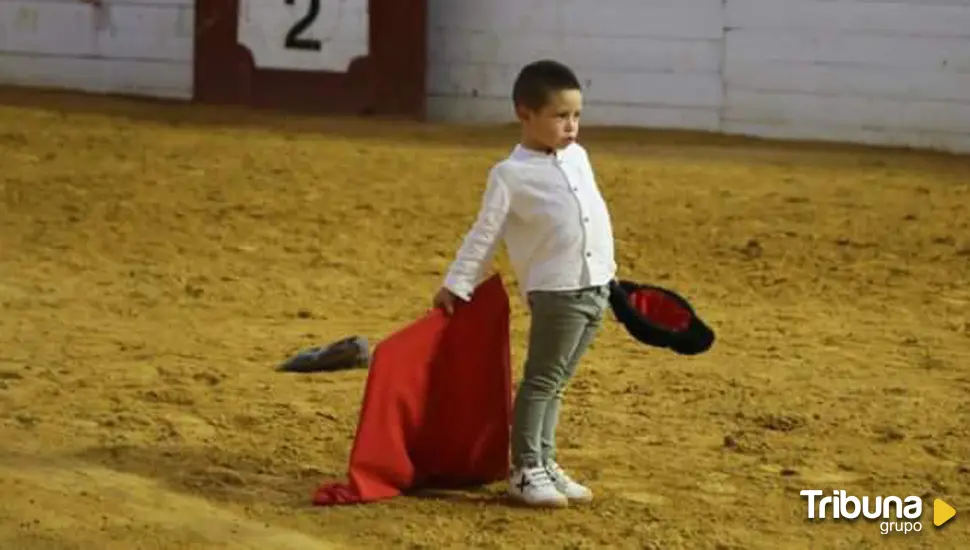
(304, 35)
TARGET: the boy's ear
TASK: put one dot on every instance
(522, 112)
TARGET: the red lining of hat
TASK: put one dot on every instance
(660, 309)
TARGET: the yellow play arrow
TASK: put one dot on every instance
(942, 512)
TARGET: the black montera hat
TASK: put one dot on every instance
(659, 317)
(347, 353)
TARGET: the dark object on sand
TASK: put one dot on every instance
(349, 353)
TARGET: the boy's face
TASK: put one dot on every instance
(556, 124)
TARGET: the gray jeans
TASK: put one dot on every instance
(562, 328)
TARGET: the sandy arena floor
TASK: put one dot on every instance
(154, 261)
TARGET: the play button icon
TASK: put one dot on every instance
(942, 512)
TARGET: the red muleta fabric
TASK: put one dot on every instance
(437, 405)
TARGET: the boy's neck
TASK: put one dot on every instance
(532, 145)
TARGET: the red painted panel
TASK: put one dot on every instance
(389, 80)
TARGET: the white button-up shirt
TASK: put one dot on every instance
(555, 224)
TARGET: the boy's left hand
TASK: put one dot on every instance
(444, 300)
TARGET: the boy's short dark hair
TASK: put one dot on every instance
(539, 79)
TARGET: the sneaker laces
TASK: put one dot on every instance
(538, 477)
(556, 473)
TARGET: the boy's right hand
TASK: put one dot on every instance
(444, 300)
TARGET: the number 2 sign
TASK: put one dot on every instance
(304, 35)
(293, 39)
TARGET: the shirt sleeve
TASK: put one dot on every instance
(482, 241)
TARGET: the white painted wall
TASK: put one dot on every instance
(139, 47)
(643, 62)
(870, 71)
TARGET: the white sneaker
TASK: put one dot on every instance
(566, 485)
(533, 487)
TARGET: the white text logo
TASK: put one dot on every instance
(900, 515)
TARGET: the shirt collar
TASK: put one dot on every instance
(525, 153)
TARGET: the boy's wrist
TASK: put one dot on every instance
(457, 289)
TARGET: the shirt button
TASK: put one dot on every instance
(585, 220)
(575, 188)
(589, 254)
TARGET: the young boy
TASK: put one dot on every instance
(544, 203)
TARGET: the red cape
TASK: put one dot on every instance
(437, 406)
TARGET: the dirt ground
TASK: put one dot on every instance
(155, 260)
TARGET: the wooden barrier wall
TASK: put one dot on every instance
(326, 56)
